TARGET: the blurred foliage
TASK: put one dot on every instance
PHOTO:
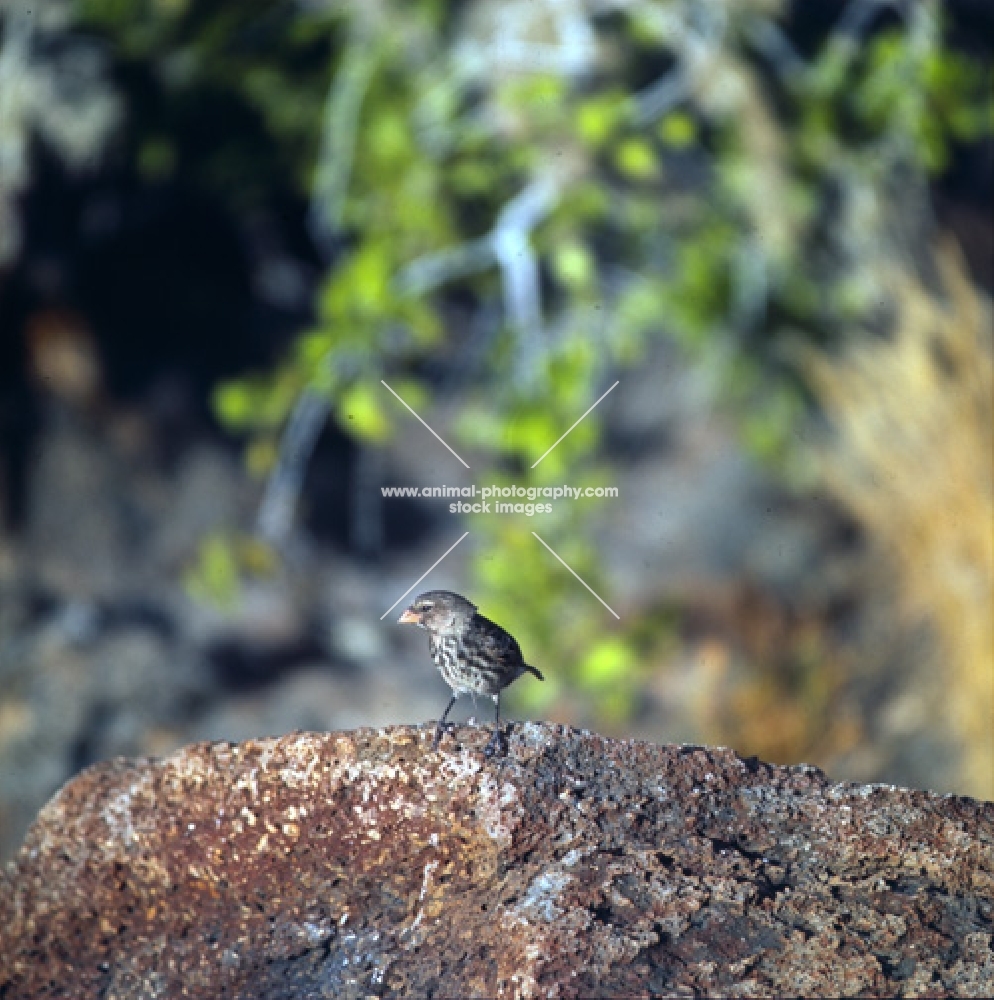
(610, 173)
(53, 92)
(924, 400)
(222, 562)
(260, 68)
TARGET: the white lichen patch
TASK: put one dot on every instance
(315, 934)
(541, 901)
(250, 782)
(299, 771)
(411, 936)
(190, 767)
(119, 818)
(534, 734)
(499, 809)
(266, 753)
(570, 858)
(459, 769)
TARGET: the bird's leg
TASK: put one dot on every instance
(441, 727)
(497, 744)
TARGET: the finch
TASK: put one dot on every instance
(473, 654)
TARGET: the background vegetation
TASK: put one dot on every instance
(505, 207)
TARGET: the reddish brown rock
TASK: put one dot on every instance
(363, 864)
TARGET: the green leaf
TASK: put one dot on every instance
(388, 139)
(360, 412)
(635, 158)
(609, 662)
(574, 265)
(530, 434)
(472, 177)
(214, 577)
(598, 118)
(535, 93)
(678, 130)
(236, 403)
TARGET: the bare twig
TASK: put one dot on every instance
(429, 272)
(508, 40)
(857, 18)
(519, 267)
(509, 246)
(770, 41)
(279, 502)
(695, 36)
(338, 140)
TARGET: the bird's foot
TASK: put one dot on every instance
(440, 730)
(497, 744)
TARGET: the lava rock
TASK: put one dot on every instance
(364, 864)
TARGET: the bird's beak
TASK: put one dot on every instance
(409, 618)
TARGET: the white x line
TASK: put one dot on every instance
(439, 436)
(423, 575)
(577, 575)
(568, 432)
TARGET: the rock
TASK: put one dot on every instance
(364, 864)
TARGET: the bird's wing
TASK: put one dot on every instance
(497, 644)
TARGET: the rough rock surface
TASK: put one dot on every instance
(364, 864)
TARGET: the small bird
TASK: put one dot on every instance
(473, 654)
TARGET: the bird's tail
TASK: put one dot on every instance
(533, 670)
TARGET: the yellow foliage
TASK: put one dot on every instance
(912, 458)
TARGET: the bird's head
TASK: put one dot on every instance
(439, 611)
